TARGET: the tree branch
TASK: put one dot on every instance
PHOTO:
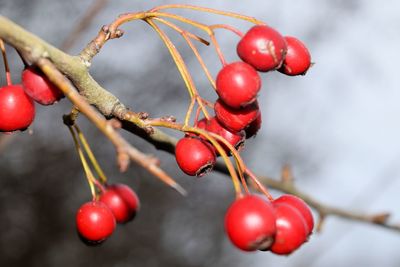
(125, 151)
(74, 68)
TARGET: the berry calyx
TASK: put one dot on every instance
(194, 156)
(298, 58)
(263, 48)
(238, 84)
(301, 206)
(235, 119)
(291, 229)
(254, 127)
(122, 201)
(17, 110)
(95, 222)
(38, 86)
(250, 223)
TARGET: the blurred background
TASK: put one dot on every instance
(337, 127)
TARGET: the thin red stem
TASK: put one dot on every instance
(218, 49)
(196, 118)
(227, 27)
(189, 111)
(260, 186)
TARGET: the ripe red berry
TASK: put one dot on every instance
(298, 58)
(236, 139)
(39, 87)
(238, 84)
(235, 119)
(301, 206)
(194, 156)
(291, 229)
(95, 221)
(122, 201)
(254, 127)
(262, 47)
(17, 109)
(250, 223)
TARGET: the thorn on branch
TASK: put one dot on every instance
(286, 174)
(321, 222)
(153, 160)
(380, 218)
(123, 160)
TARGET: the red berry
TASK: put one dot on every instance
(238, 84)
(17, 109)
(250, 223)
(254, 127)
(202, 124)
(262, 47)
(236, 119)
(194, 156)
(236, 139)
(291, 229)
(122, 200)
(298, 58)
(301, 206)
(95, 221)
(39, 87)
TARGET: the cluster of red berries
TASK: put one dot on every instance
(281, 226)
(17, 108)
(252, 222)
(96, 220)
(237, 115)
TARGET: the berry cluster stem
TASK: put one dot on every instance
(227, 27)
(210, 10)
(92, 158)
(211, 138)
(6, 67)
(88, 173)
(180, 63)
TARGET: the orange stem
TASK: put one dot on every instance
(6, 67)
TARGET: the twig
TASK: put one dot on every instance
(109, 105)
(124, 150)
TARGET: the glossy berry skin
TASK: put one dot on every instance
(194, 156)
(17, 110)
(236, 139)
(250, 223)
(291, 229)
(238, 84)
(235, 119)
(254, 127)
(39, 87)
(298, 58)
(95, 221)
(263, 48)
(122, 201)
(301, 206)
